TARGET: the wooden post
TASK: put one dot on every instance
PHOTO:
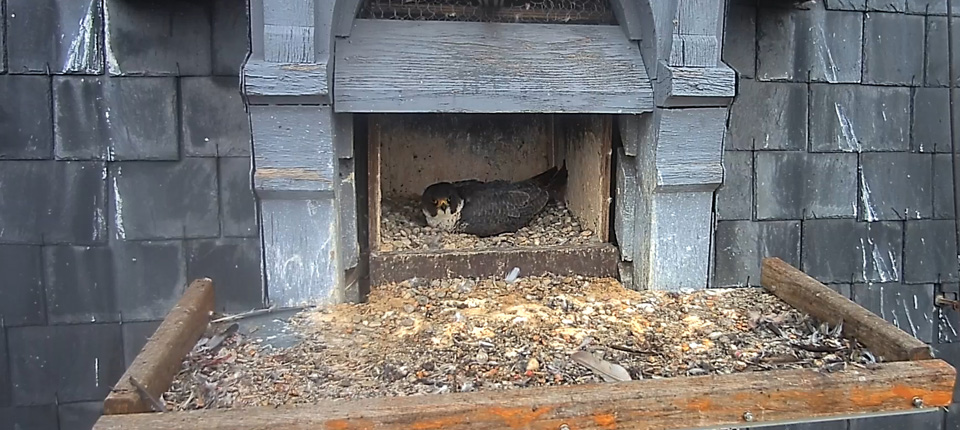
(160, 359)
(809, 295)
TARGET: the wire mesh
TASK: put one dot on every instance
(516, 11)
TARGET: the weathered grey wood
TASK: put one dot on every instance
(695, 86)
(288, 12)
(293, 149)
(343, 134)
(629, 126)
(700, 24)
(433, 66)
(288, 44)
(689, 147)
(629, 17)
(677, 233)
(284, 83)
(700, 50)
(256, 30)
(347, 198)
(665, 20)
(676, 52)
(344, 13)
(626, 201)
(300, 251)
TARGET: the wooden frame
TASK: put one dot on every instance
(911, 381)
(584, 141)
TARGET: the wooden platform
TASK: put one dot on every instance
(909, 381)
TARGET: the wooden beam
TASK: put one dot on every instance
(809, 295)
(160, 359)
(671, 403)
(599, 260)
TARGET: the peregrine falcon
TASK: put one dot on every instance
(489, 208)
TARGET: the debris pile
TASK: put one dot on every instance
(403, 228)
(422, 337)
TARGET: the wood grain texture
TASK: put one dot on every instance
(689, 86)
(343, 134)
(653, 404)
(689, 148)
(677, 232)
(284, 83)
(589, 260)
(625, 197)
(159, 360)
(422, 149)
(288, 44)
(809, 295)
(587, 142)
(374, 180)
(293, 149)
(343, 15)
(347, 199)
(433, 66)
(300, 243)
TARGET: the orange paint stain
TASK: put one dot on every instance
(519, 417)
(698, 405)
(348, 425)
(437, 424)
(607, 421)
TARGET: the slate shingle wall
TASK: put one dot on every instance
(124, 173)
(836, 160)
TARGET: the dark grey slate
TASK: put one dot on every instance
(55, 36)
(909, 307)
(952, 421)
(741, 245)
(931, 7)
(43, 417)
(932, 420)
(80, 416)
(846, 4)
(950, 352)
(948, 320)
(115, 118)
(844, 250)
(26, 118)
(930, 252)
(177, 32)
(796, 185)
(234, 267)
(21, 209)
(740, 40)
(854, 118)
(893, 49)
(6, 396)
(79, 285)
(215, 122)
(822, 425)
(22, 286)
(135, 335)
(768, 115)
(895, 186)
(229, 37)
(844, 290)
(937, 48)
(3, 43)
(77, 204)
(183, 199)
(943, 186)
(931, 120)
(65, 363)
(735, 195)
(798, 45)
(150, 276)
(238, 204)
(887, 5)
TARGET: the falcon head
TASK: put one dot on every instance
(441, 204)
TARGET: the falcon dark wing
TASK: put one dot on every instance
(499, 207)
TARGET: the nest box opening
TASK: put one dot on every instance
(408, 152)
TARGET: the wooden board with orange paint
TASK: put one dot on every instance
(687, 402)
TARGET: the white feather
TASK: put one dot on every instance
(445, 219)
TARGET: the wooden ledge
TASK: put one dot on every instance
(682, 402)
(160, 359)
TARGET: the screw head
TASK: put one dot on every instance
(747, 416)
(917, 402)
(564, 427)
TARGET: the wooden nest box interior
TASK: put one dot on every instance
(408, 152)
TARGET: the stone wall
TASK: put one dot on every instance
(124, 173)
(837, 160)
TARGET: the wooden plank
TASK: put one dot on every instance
(509, 14)
(434, 66)
(373, 182)
(696, 86)
(283, 83)
(422, 149)
(651, 404)
(690, 147)
(293, 149)
(349, 244)
(588, 141)
(626, 202)
(589, 260)
(809, 295)
(159, 360)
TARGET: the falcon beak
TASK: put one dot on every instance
(443, 204)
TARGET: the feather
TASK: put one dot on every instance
(610, 372)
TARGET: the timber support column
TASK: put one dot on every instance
(302, 154)
(672, 157)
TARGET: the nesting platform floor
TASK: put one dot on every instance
(425, 337)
